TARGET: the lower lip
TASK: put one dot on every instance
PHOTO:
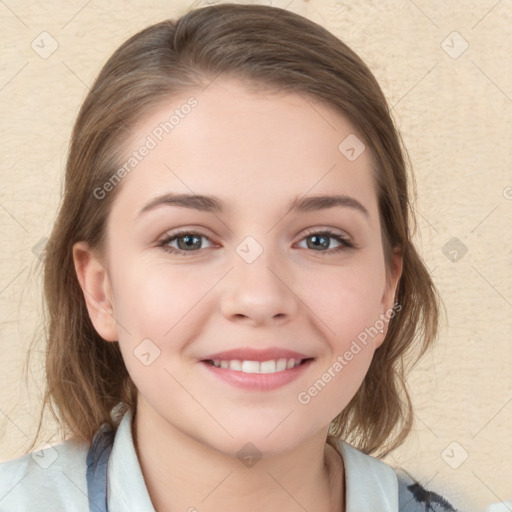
(258, 381)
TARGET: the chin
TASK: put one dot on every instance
(255, 445)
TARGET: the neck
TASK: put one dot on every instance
(182, 473)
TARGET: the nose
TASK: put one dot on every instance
(259, 293)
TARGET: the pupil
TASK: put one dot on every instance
(321, 237)
(188, 240)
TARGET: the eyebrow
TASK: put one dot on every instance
(215, 205)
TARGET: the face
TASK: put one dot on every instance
(184, 281)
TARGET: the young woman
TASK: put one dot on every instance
(232, 289)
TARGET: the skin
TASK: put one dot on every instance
(256, 152)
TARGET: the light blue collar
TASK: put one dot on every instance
(126, 488)
(370, 483)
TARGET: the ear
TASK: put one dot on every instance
(388, 296)
(95, 283)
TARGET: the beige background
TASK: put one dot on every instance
(454, 107)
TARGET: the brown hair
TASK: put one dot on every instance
(266, 47)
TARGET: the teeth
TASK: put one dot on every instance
(267, 367)
(271, 366)
(280, 365)
(235, 365)
(250, 366)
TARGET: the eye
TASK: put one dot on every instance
(321, 240)
(190, 241)
(187, 241)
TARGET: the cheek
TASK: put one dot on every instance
(159, 310)
(348, 298)
(152, 298)
(346, 304)
(156, 307)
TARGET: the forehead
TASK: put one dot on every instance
(239, 144)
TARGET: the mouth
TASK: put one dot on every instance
(248, 366)
(257, 376)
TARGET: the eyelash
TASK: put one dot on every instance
(344, 242)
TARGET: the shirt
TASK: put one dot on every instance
(55, 479)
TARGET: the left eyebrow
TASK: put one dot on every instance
(314, 203)
(216, 205)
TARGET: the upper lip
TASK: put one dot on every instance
(251, 354)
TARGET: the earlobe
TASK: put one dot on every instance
(388, 297)
(95, 284)
(395, 273)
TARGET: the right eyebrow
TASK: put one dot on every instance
(193, 201)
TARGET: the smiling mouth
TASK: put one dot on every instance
(246, 366)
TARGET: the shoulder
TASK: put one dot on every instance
(413, 497)
(51, 479)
